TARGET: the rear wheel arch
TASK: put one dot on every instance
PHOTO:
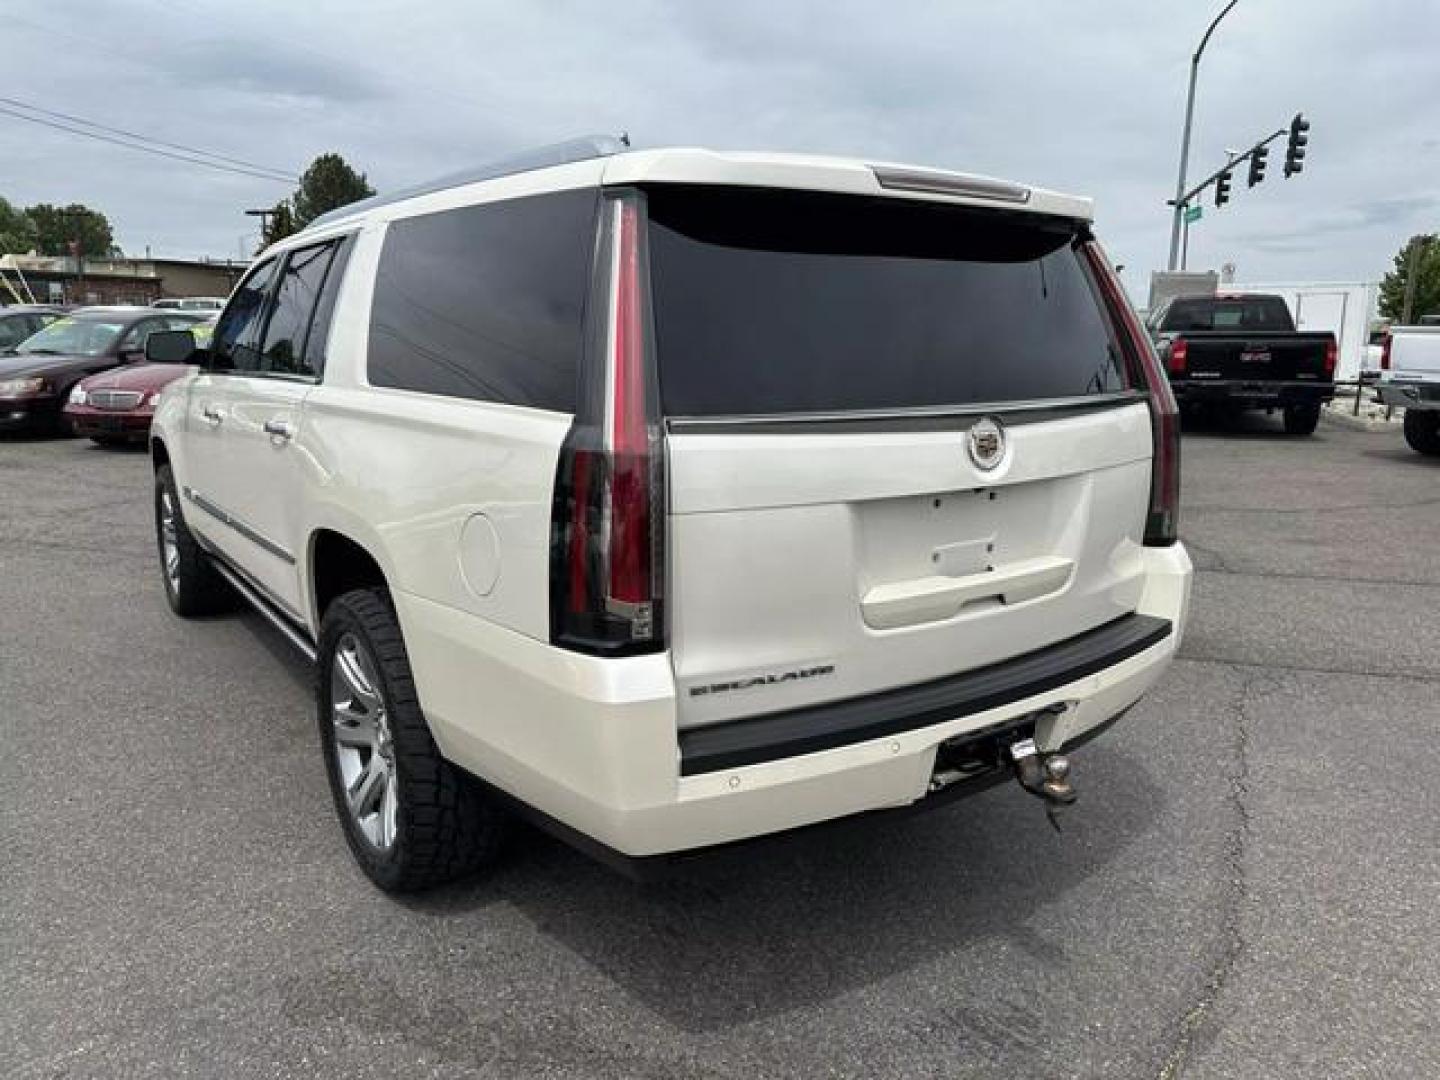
(340, 564)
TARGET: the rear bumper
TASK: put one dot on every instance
(1251, 394)
(591, 744)
(1414, 395)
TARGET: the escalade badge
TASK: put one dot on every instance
(986, 443)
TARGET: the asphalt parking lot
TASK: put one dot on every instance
(1247, 889)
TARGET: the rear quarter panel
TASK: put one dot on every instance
(451, 497)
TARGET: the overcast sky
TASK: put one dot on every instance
(1085, 97)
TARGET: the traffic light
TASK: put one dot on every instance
(1222, 188)
(1257, 165)
(1295, 150)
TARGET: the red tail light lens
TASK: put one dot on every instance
(1331, 353)
(1385, 353)
(1162, 520)
(1179, 354)
(607, 525)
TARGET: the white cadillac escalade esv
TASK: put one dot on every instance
(674, 498)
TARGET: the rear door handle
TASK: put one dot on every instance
(212, 414)
(279, 429)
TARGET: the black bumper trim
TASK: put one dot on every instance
(824, 727)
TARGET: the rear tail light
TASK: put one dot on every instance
(1331, 352)
(1385, 353)
(1179, 354)
(607, 522)
(1162, 520)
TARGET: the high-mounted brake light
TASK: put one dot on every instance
(1162, 520)
(607, 524)
(1179, 355)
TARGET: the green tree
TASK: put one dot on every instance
(1427, 280)
(17, 233)
(56, 226)
(328, 182)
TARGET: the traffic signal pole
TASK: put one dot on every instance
(1180, 198)
(1185, 196)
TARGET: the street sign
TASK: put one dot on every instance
(1192, 214)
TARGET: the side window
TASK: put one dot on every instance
(325, 307)
(295, 295)
(486, 302)
(134, 339)
(235, 344)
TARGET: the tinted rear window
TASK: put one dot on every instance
(769, 301)
(1265, 313)
(486, 302)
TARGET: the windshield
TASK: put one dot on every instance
(73, 337)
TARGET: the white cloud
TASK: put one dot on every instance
(1084, 97)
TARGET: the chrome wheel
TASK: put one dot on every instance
(169, 546)
(364, 750)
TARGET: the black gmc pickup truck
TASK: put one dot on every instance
(1232, 352)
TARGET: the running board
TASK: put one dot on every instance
(266, 609)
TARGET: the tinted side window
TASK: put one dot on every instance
(235, 345)
(295, 295)
(486, 302)
(325, 306)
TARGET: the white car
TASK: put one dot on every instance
(674, 498)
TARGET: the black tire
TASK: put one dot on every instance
(1422, 431)
(1302, 419)
(195, 589)
(446, 825)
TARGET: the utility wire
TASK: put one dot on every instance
(262, 175)
(141, 138)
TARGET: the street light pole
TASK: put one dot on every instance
(1185, 136)
(264, 216)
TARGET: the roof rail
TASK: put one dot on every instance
(544, 157)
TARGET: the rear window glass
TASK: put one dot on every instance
(776, 302)
(486, 302)
(1267, 313)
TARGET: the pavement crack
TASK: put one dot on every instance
(1344, 508)
(1237, 891)
(1290, 575)
(1301, 669)
(1220, 567)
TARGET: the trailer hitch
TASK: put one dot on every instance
(1046, 777)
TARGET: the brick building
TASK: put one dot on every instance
(59, 280)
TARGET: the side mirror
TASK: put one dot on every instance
(172, 347)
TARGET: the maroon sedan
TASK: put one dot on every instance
(116, 406)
